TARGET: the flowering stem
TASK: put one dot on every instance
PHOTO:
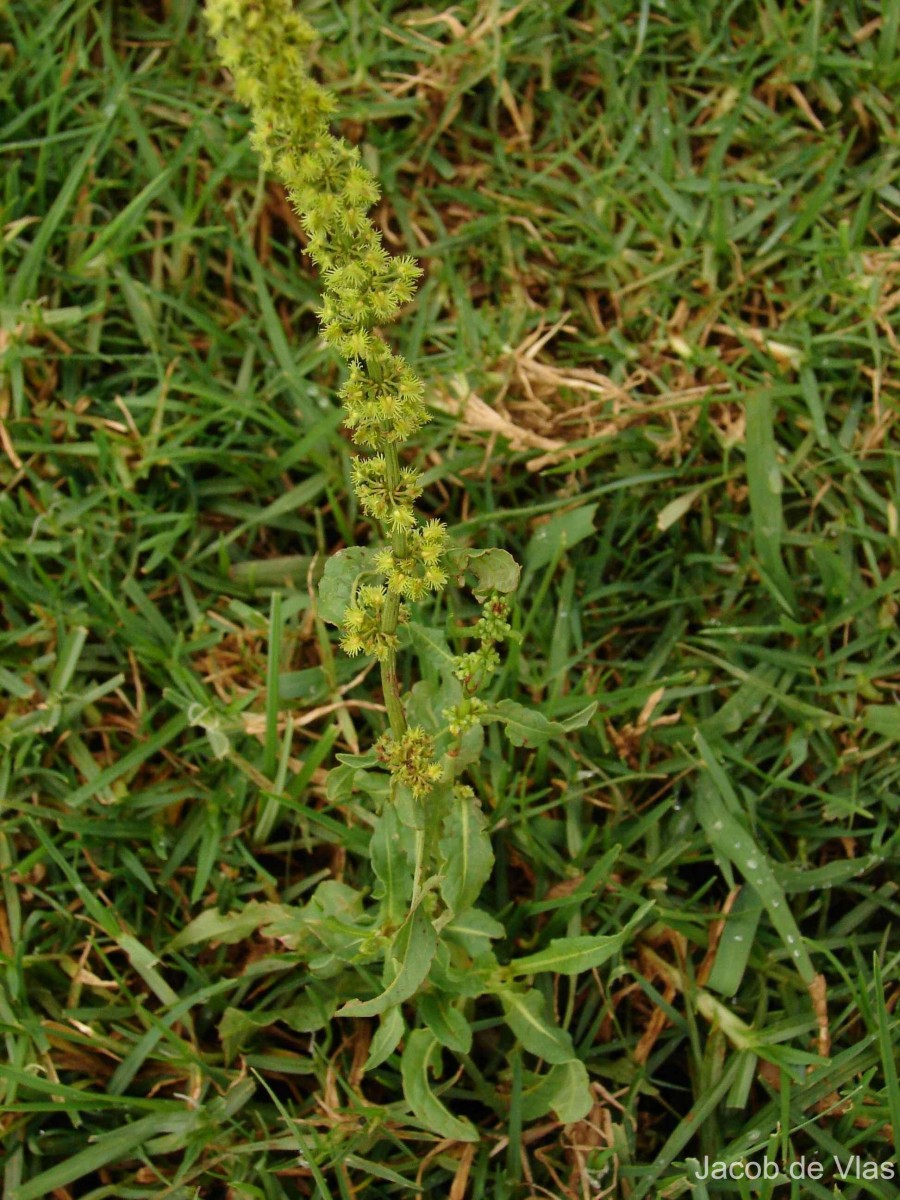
(264, 43)
(389, 681)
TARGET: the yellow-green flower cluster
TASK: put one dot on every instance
(390, 502)
(419, 570)
(362, 629)
(264, 44)
(410, 759)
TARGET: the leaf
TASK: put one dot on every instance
(421, 1051)
(361, 762)
(422, 703)
(454, 976)
(340, 783)
(391, 867)
(744, 703)
(560, 533)
(410, 813)
(579, 719)
(837, 577)
(312, 1011)
(571, 955)
(473, 929)
(887, 1044)
(338, 582)
(676, 509)
(467, 853)
(387, 1038)
(406, 967)
(883, 719)
(765, 484)
(525, 726)
(330, 927)
(495, 570)
(376, 784)
(809, 387)
(426, 700)
(735, 943)
(565, 1089)
(112, 1147)
(571, 1097)
(526, 1017)
(529, 727)
(731, 840)
(432, 647)
(447, 1023)
(468, 750)
(228, 928)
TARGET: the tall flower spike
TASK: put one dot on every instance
(264, 44)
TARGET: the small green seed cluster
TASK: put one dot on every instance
(476, 667)
(410, 759)
(465, 715)
(264, 44)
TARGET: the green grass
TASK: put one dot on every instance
(701, 200)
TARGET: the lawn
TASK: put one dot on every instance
(658, 328)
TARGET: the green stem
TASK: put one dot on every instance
(389, 681)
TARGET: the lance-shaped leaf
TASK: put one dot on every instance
(361, 762)
(565, 1089)
(332, 920)
(313, 1010)
(426, 700)
(560, 533)
(422, 1051)
(735, 943)
(529, 727)
(579, 719)
(571, 955)
(883, 719)
(526, 1017)
(467, 750)
(211, 925)
(113, 1146)
(765, 486)
(432, 647)
(715, 804)
(447, 1023)
(406, 968)
(386, 1039)
(467, 853)
(391, 867)
(473, 929)
(473, 977)
(525, 726)
(336, 587)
